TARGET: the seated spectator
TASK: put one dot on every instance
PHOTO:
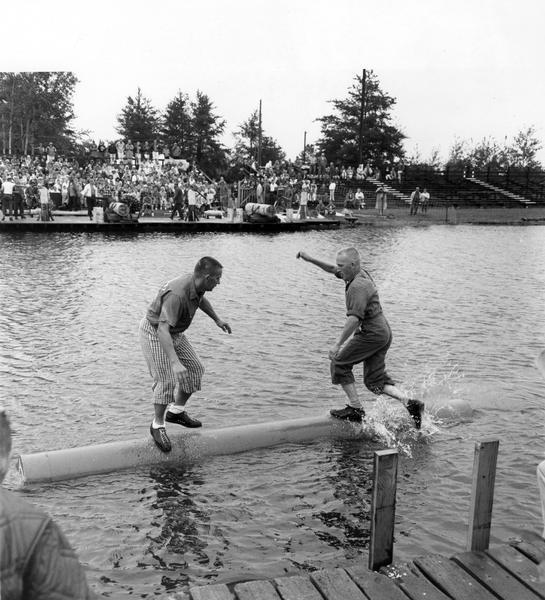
(349, 200)
(36, 560)
(360, 198)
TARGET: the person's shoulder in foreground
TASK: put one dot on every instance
(36, 559)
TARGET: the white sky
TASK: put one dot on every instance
(462, 68)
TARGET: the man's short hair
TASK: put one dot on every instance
(351, 253)
(207, 265)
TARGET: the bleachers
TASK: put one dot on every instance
(457, 187)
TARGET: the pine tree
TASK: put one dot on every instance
(247, 141)
(178, 126)
(139, 120)
(207, 127)
(382, 141)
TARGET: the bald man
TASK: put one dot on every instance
(365, 338)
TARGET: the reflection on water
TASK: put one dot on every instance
(466, 309)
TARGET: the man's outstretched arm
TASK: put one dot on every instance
(323, 265)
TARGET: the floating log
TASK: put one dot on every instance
(187, 446)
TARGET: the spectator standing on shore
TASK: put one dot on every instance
(303, 199)
(223, 190)
(192, 203)
(332, 187)
(36, 560)
(173, 364)
(365, 338)
(415, 201)
(381, 199)
(424, 200)
(18, 199)
(178, 203)
(90, 195)
(7, 197)
(45, 203)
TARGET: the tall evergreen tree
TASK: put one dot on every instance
(177, 124)
(247, 141)
(139, 120)
(207, 126)
(382, 141)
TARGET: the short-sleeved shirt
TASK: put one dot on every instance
(176, 303)
(362, 299)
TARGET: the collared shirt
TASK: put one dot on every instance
(362, 299)
(176, 303)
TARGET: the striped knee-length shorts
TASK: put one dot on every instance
(164, 382)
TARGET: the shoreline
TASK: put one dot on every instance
(394, 217)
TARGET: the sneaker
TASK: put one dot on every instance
(160, 437)
(182, 419)
(348, 413)
(416, 409)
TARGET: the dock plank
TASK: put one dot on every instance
(451, 578)
(411, 580)
(218, 591)
(256, 590)
(297, 587)
(531, 545)
(375, 585)
(524, 569)
(335, 584)
(492, 576)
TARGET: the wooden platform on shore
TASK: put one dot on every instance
(505, 572)
(148, 224)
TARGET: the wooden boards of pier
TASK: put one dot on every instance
(504, 572)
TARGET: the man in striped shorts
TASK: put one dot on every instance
(173, 364)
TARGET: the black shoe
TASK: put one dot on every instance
(348, 413)
(416, 409)
(160, 437)
(182, 419)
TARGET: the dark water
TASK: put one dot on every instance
(466, 307)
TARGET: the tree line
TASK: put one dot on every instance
(36, 108)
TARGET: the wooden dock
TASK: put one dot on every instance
(506, 572)
(514, 571)
(165, 225)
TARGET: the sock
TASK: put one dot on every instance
(355, 404)
(156, 425)
(176, 409)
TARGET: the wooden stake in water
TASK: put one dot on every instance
(482, 495)
(383, 508)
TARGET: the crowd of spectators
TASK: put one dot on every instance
(152, 177)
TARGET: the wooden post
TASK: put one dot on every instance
(383, 508)
(482, 495)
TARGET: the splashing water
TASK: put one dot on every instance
(393, 425)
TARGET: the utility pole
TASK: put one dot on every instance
(362, 115)
(259, 139)
(305, 148)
